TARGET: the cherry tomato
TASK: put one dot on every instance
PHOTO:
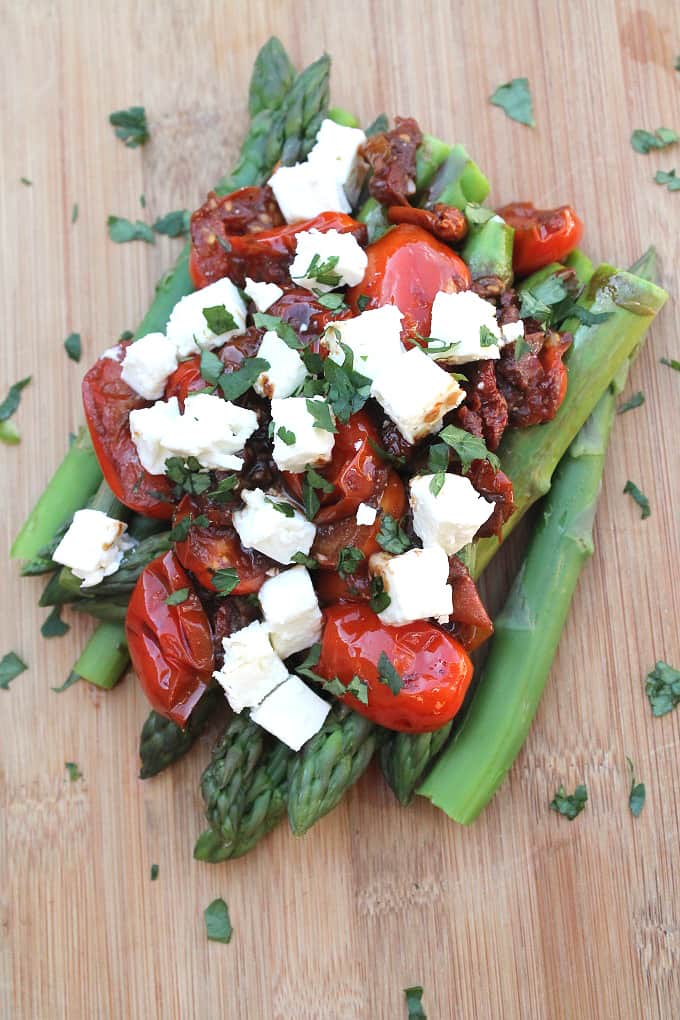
(108, 401)
(170, 645)
(334, 536)
(331, 587)
(265, 255)
(435, 669)
(187, 376)
(407, 266)
(299, 308)
(217, 547)
(542, 236)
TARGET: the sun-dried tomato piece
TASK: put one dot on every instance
(535, 386)
(469, 623)
(444, 221)
(484, 412)
(497, 488)
(392, 157)
(245, 211)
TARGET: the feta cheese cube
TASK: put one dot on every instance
(305, 190)
(261, 526)
(114, 353)
(327, 260)
(93, 546)
(452, 517)
(512, 331)
(263, 295)
(305, 444)
(147, 365)
(251, 668)
(187, 328)
(458, 318)
(291, 611)
(416, 393)
(293, 713)
(417, 584)
(374, 337)
(336, 153)
(286, 369)
(366, 514)
(148, 427)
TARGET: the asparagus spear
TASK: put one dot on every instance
(328, 765)
(457, 182)
(405, 756)
(163, 742)
(104, 659)
(488, 254)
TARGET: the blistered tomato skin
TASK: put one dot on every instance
(407, 267)
(170, 646)
(107, 401)
(435, 669)
(542, 236)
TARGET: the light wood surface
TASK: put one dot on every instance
(524, 915)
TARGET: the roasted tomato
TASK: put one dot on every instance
(434, 668)
(187, 376)
(535, 386)
(444, 221)
(217, 547)
(170, 646)
(407, 267)
(470, 623)
(542, 236)
(497, 488)
(331, 587)
(265, 255)
(331, 538)
(304, 313)
(108, 401)
(484, 412)
(392, 158)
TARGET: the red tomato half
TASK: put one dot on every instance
(108, 401)
(334, 536)
(217, 547)
(435, 669)
(407, 267)
(265, 255)
(170, 646)
(542, 236)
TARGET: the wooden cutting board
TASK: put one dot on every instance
(524, 915)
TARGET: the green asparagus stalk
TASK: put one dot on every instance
(105, 657)
(488, 254)
(271, 78)
(404, 758)
(110, 610)
(342, 117)
(163, 742)
(327, 766)
(430, 155)
(457, 182)
(529, 456)
(583, 267)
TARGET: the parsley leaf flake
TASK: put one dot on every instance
(217, 923)
(514, 98)
(570, 805)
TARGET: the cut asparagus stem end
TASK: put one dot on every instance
(105, 657)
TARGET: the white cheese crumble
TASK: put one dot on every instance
(278, 535)
(187, 328)
(366, 514)
(93, 546)
(251, 668)
(416, 393)
(211, 429)
(327, 260)
(512, 331)
(458, 319)
(114, 353)
(298, 443)
(263, 295)
(417, 584)
(147, 365)
(452, 517)
(286, 369)
(303, 192)
(374, 337)
(336, 154)
(291, 611)
(292, 712)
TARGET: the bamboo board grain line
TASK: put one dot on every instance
(521, 916)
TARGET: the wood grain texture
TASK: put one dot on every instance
(521, 916)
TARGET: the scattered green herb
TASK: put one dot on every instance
(176, 598)
(671, 363)
(225, 580)
(514, 98)
(285, 435)
(235, 384)
(321, 413)
(669, 178)
(637, 400)
(219, 320)
(486, 337)
(311, 482)
(122, 230)
(217, 924)
(639, 497)
(182, 528)
(467, 447)
(644, 141)
(584, 315)
(73, 346)
(173, 224)
(187, 476)
(437, 483)
(131, 126)
(570, 805)
(362, 302)
(283, 508)
(662, 687)
(11, 667)
(74, 212)
(388, 675)
(333, 302)
(414, 1003)
(636, 797)
(11, 402)
(25, 180)
(154, 872)
(127, 334)
(282, 329)
(379, 600)
(54, 626)
(349, 559)
(438, 458)
(70, 680)
(225, 489)
(142, 200)
(392, 536)
(211, 367)
(348, 390)
(323, 272)
(389, 458)
(74, 772)
(381, 123)
(304, 560)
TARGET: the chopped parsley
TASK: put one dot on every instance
(323, 272)
(438, 458)
(468, 447)
(70, 680)
(304, 560)
(219, 320)
(211, 367)
(26, 181)
(644, 141)
(363, 302)
(356, 686)
(333, 302)
(541, 301)
(389, 458)
(285, 435)
(11, 666)
(225, 489)
(235, 384)
(349, 559)
(74, 772)
(311, 482)
(347, 389)
(283, 508)
(154, 872)
(414, 1004)
(392, 537)
(225, 580)
(127, 334)
(282, 329)
(73, 346)
(514, 98)
(306, 667)
(11, 402)
(182, 528)
(321, 413)
(437, 483)
(187, 475)
(217, 923)
(639, 497)
(54, 626)
(570, 805)
(176, 598)
(379, 600)
(637, 400)
(74, 212)
(388, 675)
(636, 797)
(669, 178)
(662, 687)
(173, 224)
(122, 230)
(584, 315)
(671, 363)
(486, 337)
(131, 126)
(381, 123)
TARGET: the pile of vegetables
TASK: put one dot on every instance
(253, 781)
